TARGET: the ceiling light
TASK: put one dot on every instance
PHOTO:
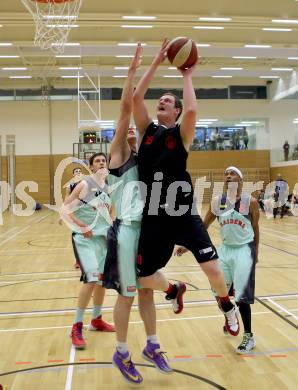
(282, 69)
(209, 19)
(244, 57)
(258, 46)
(269, 77)
(72, 77)
(70, 67)
(125, 56)
(20, 68)
(135, 17)
(172, 68)
(136, 26)
(20, 77)
(292, 58)
(208, 120)
(172, 76)
(121, 67)
(68, 56)
(231, 68)
(9, 56)
(253, 122)
(285, 21)
(120, 75)
(242, 125)
(208, 27)
(222, 77)
(203, 45)
(130, 44)
(276, 29)
(5, 44)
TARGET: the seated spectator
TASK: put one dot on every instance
(295, 154)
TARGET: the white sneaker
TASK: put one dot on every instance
(232, 323)
(248, 343)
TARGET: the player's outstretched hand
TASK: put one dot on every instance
(136, 61)
(188, 71)
(180, 251)
(160, 57)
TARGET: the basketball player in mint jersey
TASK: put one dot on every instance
(238, 217)
(87, 209)
(168, 217)
(123, 237)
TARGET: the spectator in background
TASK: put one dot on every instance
(245, 139)
(295, 153)
(286, 148)
(280, 195)
(237, 140)
(233, 140)
(213, 140)
(261, 196)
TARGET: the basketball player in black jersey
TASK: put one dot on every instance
(169, 217)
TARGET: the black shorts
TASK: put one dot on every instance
(159, 235)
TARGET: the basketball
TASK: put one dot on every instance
(182, 52)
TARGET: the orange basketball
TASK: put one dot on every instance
(182, 52)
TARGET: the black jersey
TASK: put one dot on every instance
(72, 186)
(162, 150)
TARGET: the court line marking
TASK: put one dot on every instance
(70, 368)
(51, 280)
(280, 232)
(282, 308)
(131, 322)
(8, 231)
(207, 302)
(24, 229)
(277, 313)
(278, 236)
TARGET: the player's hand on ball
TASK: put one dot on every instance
(188, 71)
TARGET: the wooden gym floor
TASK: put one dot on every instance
(38, 290)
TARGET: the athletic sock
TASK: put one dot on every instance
(96, 311)
(152, 339)
(79, 315)
(225, 303)
(245, 312)
(122, 347)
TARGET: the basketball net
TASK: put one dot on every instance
(53, 21)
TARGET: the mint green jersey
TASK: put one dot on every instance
(94, 209)
(125, 191)
(235, 222)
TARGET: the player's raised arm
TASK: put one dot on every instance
(209, 218)
(119, 143)
(188, 123)
(140, 111)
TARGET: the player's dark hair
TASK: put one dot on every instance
(91, 159)
(178, 103)
(73, 171)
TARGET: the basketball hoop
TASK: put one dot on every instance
(53, 21)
